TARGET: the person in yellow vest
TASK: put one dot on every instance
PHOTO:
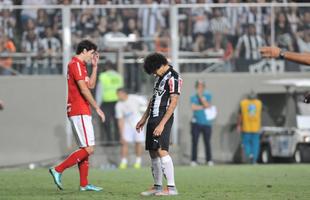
(106, 94)
(249, 125)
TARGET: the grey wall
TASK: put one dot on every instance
(32, 125)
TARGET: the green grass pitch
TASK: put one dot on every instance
(261, 182)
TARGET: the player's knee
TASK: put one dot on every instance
(90, 150)
(162, 153)
(153, 154)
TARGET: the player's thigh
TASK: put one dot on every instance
(128, 134)
(165, 136)
(83, 130)
(151, 142)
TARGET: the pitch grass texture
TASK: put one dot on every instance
(262, 182)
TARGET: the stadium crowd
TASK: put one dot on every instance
(230, 34)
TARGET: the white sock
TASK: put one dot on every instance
(157, 171)
(124, 161)
(168, 169)
(138, 160)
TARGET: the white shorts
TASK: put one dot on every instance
(131, 135)
(83, 130)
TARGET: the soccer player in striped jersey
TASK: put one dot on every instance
(78, 110)
(159, 114)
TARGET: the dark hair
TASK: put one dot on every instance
(122, 90)
(85, 44)
(199, 82)
(153, 62)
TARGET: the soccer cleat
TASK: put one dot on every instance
(122, 166)
(152, 191)
(137, 165)
(210, 163)
(90, 187)
(193, 164)
(57, 177)
(169, 191)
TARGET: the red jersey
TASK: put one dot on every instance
(77, 104)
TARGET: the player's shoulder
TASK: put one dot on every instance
(174, 73)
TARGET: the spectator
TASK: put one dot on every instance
(88, 21)
(219, 23)
(249, 125)
(51, 48)
(130, 27)
(258, 16)
(102, 26)
(200, 18)
(283, 32)
(162, 42)
(249, 43)
(185, 39)
(109, 82)
(303, 43)
(200, 122)
(29, 26)
(7, 22)
(234, 15)
(128, 113)
(199, 44)
(41, 22)
(114, 33)
(6, 46)
(220, 47)
(149, 19)
(293, 18)
(31, 46)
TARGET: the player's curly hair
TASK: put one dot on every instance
(153, 62)
(85, 44)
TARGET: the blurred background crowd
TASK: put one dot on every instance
(31, 40)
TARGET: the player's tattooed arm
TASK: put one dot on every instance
(174, 98)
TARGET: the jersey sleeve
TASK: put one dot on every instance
(77, 71)
(175, 85)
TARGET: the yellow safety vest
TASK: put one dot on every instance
(110, 81)
(251, 110)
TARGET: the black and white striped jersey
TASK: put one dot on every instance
(169, 83)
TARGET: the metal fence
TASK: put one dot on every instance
(196, 37)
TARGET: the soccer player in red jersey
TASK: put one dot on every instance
(78, 109)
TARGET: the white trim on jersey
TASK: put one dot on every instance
(79, 68)
(83, 130)
(180, 85)
(171, 84)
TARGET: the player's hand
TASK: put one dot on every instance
(101, 114)
(95, 59)
(158, 130)
(140, 125)
(270, 52)
(307, 97)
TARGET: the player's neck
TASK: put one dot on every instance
(80, 57)
(163, 70)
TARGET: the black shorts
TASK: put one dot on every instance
(158, 142)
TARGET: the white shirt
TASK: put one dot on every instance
(131, 109)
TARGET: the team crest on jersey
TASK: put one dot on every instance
(159, 92)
